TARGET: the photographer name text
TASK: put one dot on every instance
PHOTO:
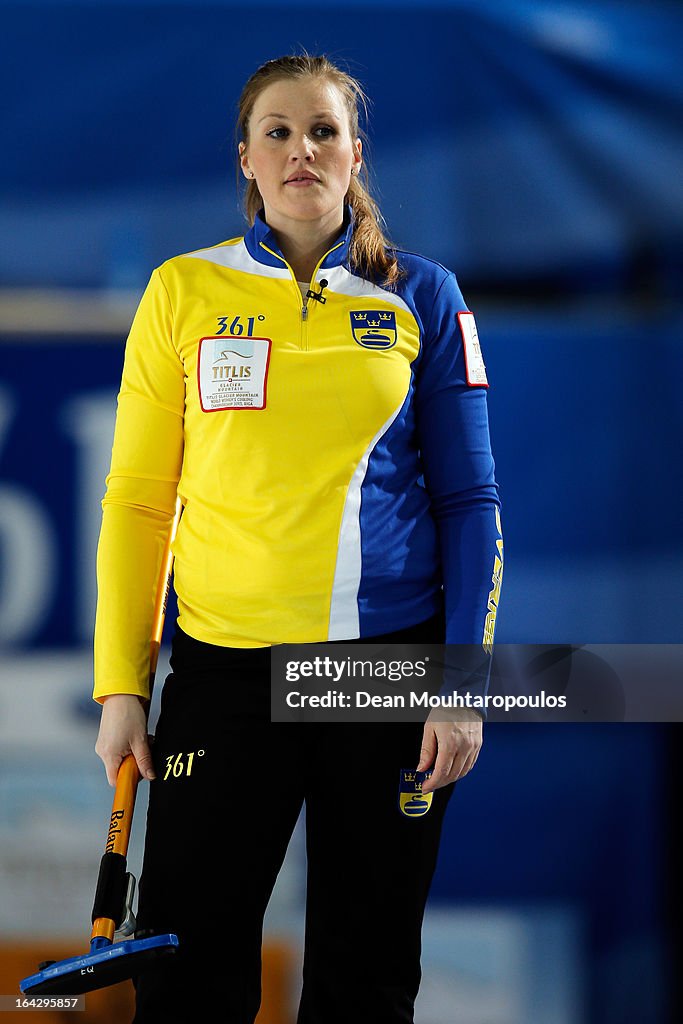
(423, 699)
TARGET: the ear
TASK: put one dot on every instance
(244, 160)
(357, 155)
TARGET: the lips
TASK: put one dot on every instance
(301, 178)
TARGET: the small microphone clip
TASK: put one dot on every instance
(318, 296)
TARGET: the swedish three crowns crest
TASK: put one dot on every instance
(374, 328)
(411, 800)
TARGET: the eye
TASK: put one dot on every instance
(324, 131)
(277, 133)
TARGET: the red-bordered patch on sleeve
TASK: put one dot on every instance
(474, 360)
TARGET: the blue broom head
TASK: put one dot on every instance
(103, 966)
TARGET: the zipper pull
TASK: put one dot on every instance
(304, 313)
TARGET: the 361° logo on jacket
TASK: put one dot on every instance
(374, 328)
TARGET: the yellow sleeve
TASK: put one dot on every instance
(139, 502)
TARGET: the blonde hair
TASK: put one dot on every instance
(370, 252)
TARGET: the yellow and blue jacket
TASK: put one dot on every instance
(333, 458)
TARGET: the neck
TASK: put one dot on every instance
(304, 245)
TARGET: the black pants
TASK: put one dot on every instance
(221, 763)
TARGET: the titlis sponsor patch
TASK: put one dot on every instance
(232, 373)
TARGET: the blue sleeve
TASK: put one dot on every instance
(453, 435)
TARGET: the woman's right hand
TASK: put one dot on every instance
(123, 731)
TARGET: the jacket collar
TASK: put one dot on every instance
(259, 239)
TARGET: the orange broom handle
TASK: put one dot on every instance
(128, 776)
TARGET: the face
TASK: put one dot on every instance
(301, 154)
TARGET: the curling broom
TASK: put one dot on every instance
(110, 961)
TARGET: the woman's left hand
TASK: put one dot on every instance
(454, 744)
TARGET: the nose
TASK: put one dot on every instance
(302, 149)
